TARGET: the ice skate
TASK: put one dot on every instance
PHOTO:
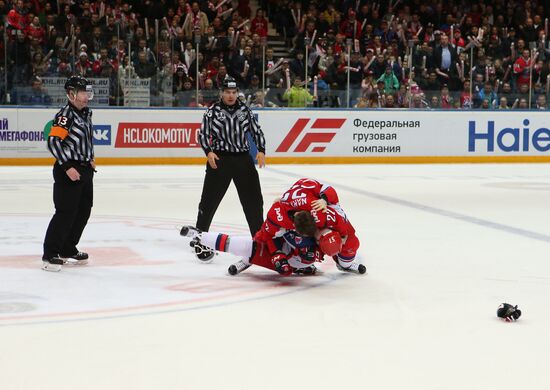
(80, 258)
(237, 268)
(53, 264)
(354, 267)
(190, 231)
(203, 253)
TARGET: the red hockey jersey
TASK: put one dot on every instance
(305, 191)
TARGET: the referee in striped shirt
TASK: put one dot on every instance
(223, 137)
(71, 143)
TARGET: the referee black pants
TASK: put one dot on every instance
(73, 202)
(240, 168)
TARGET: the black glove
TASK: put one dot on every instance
(307, 254)
(279, 261)
(508, 312)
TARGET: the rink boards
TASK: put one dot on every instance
(149, 136)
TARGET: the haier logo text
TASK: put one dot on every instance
(102, 134)
(509, 139)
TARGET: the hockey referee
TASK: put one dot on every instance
(70, 141)
(223, 137)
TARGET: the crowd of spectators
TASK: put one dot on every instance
(398, 53)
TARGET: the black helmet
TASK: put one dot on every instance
(79, 83)
(229, 83)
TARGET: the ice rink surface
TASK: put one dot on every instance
(444, 245)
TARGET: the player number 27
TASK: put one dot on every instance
(331, 216)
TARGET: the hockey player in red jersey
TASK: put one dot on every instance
(286, 253)
(294, 254)
(323, 203)
(332, 233)
(335, 219)
(308, 194)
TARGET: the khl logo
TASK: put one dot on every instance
(509, 139)
(102, 134)
(311, 137)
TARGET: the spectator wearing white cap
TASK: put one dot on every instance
(83, 67)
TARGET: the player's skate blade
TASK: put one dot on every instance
(52, 265)
(190, 231)
(354, 268)
(237, 268)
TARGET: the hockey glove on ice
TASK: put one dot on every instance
(307, 255)
(279, 261)
(508, 312)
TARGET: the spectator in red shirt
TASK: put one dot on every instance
(35, 30)
(84, 67)
(466, 96)
(17, 19)
(102, 60)
(457, 39)
(350, 27)
(212, 68)
(521, 68)
(63, 70)
(340, 44)
(259, 24)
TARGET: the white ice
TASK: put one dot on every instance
(444, 245)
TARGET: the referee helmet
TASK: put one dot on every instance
(229, 83)
(79, 83)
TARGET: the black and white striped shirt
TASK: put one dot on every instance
(71, 136)
(224, 129)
